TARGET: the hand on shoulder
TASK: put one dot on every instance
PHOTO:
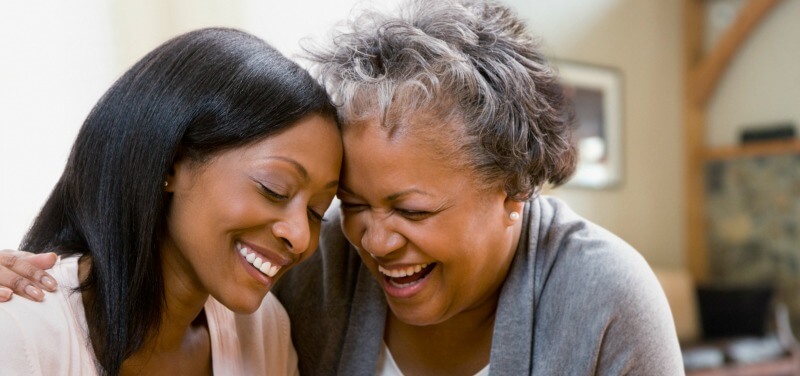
(23, 273)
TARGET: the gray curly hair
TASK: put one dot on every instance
(468, 64)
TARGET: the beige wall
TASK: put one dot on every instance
(762, 84)
(140, 26)
(643, 40)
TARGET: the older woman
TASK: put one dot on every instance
(452, 121)
(448, 261)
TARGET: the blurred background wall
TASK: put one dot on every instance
(58, 58)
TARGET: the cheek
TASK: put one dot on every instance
(352, 227)
(313, 243)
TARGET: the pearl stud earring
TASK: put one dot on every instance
(166, 183)
(514, 216)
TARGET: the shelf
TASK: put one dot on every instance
(752, 149)
(789, 365)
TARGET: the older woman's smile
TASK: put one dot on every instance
(404, 281)
(399, 283)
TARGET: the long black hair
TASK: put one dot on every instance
(197, 94)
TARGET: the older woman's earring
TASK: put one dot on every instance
(166, 183)
(514, 216)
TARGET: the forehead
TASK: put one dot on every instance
(379, 157)
(313, 142)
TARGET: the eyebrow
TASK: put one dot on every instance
(298, 166)
(391, 197)
(303, 171)
(395, 196)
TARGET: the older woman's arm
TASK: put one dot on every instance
(23, 273)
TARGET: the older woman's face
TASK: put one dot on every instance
(437, 245)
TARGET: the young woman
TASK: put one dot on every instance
(195, 183)
(447, 260)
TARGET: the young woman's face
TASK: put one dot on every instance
(437, 245)
(238, 222)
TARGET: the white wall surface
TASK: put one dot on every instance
(54, 64)
(58, 57)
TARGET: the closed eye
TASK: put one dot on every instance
(414, 215)
(349, 206)
(272, 194)
(316, 216)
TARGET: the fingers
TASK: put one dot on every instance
(40, 263)
(5, 294)
(18, 273)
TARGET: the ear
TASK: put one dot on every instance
(176, 174)
(513, 206)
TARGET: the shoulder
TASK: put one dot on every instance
(592, 277)
(256, 343)
(19, 346)
(268, 324)
(37, 336)
(572, 247)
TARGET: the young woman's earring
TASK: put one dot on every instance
(166, 183)
(514, 216)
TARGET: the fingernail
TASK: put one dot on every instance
(5, 294)
(49, 282)
(33, 291)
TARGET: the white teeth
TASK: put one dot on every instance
(242, 249)
(264, 268)
(404, 272)
(262, 265)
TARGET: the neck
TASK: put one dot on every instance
(459, 345)
(182, 332)
(182, 342)
(184, 299)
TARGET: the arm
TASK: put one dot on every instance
(641, 339)
(601, 309)
(23, 273)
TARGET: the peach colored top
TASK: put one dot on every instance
(50, 338)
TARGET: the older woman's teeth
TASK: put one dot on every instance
(402, 272)
(264, 266)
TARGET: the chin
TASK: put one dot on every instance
(243, 305)
(416, 316)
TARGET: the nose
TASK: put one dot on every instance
(379, 237)
(294, 231)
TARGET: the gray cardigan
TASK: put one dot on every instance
(577, 301)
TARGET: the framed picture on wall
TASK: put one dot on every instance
(595, 93)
